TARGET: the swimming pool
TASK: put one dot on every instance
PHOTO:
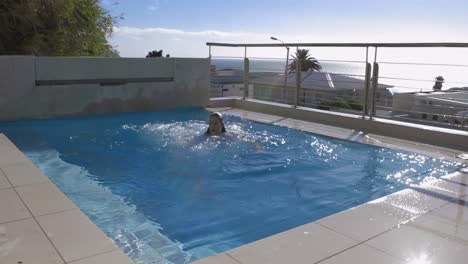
(166, 193)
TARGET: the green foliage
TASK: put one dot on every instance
(346, 104)
(307, 62)
(157, 54)
(55, 28)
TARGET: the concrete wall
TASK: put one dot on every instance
(42, 87)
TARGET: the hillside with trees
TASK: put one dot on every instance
(55, 28)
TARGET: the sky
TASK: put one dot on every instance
(182, 27)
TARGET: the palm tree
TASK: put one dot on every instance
(439, 80)
(308, 63)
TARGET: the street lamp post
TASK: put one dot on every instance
(285, 68)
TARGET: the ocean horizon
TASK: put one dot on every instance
(406, 77)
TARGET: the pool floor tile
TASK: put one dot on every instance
(217, 259)
(75, 243)
(12, 208)
(113, 257)
(366, 221)
(24, 242)
(24, 174)
(305, 244)
(362, 254)
(44, 198)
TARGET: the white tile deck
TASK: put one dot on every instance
(24, 174)
(3, 181)
(305, 244)
(455, 213)
(39, 224)
(12, 207)
(413, 241)
(366, 221)
(362, 254)
(427, 224)
(44, 198)
(113, 257)
(24, 242)
(75, 243)
(220, 258)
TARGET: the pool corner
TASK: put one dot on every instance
(40, 224)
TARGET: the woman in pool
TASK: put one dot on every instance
(216, 124)
(216, 128)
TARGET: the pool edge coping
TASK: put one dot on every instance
(50, 209)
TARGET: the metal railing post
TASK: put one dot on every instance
(284, 93)
(367, 84)
(246, 78)
(367, 79)
(375, 86)
(375, 83)
(298, 82)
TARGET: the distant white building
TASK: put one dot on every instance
(444, 107)
(316, 88)
(226, 82)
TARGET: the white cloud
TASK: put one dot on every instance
(153, 5)
(206, 33)
(136, 42)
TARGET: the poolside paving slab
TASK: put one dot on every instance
(415, 242)
(44, 198)
(75, 243)
(442, 227)
(417, 201)
(4, 184)
(366, 221)
(454, 213)
(12, 209)
(113, 257)
(306, 244)
(24, 242)
(362, 254)
(12, 157)
(24, 174)
(449, 255)
(6, 144)
(39, 224)
(222, 258)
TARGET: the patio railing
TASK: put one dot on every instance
(399, 90)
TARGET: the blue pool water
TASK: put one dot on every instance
(166, 193)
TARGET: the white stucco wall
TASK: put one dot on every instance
(42, 87)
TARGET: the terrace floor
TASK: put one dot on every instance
(419, 225)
